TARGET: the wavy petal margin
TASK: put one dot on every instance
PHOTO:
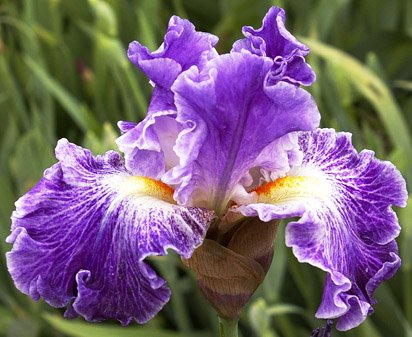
(152, 139)
(182, 48)
(229, 116)
(275, 41)
(347, 227)
(81, 235)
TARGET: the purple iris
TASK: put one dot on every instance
(230, 134)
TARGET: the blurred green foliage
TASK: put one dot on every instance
(64, 73)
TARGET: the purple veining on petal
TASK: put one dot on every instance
(229, 117)
(182, 48)
(350, 235)
(275, 41)
(81, 235)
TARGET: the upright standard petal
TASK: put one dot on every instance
(229, 116)
(81, 235)
(275, 41)
(182, 48)
(347, 227)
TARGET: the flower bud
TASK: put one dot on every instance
(229, 270)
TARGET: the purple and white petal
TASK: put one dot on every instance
(125, 126)
(153, 139)
(274, 161)
(229, 116)
(347, 227)
(81, 235)
(182, 48)
(275, 41)
(280, 157)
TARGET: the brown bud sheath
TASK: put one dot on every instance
(229, 272)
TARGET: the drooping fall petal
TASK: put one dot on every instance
(82, 234)
(347, 227)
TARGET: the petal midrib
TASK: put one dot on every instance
(219, 204)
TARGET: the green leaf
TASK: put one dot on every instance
(99, 144)
(405, 219)
(258, 316)
(82, 329)
(13, 93)
(24, 327)
(405, 216)
(77, 111)
(147, 29)
(368, 329)
(389, 310)
(32, 156)
(283, 309)
(274, 279)
(408, 17)
(110, 54)
(6, 318)
(7, 198)
(106, 20)
(406, 85)
(328, 11)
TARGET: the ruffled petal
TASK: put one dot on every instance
(81, 235)
(125, 126)
(274, 161)
(279, 157)
(229, 116)
(182, 48)
(152, 139)
(347, 227)
(275, 41)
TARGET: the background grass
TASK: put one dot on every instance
(64, 73)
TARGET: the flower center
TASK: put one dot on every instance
(144, 186)
(292, 188)
(154, 188)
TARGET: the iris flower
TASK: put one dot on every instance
(229, 147)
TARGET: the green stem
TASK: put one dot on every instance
(408, 295)
(228, 328)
